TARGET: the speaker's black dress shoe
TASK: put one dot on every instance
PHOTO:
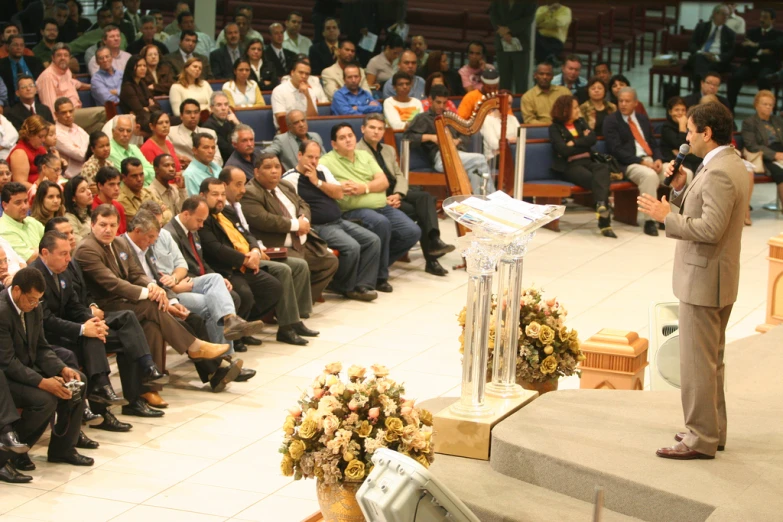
(151, 375)
(433, 267)
(252, 341)
(362, 293)
(140, 408)
(74, 459)
(22, 462)
(10, 442)
(224, 375)
(439, 248)
(245, 375)
(111, 423)
(382, 285)
(240, 347)
(9, 474)
(85, 442)
(105, 395)
(289, 336)
(304, 331)
(650, 228)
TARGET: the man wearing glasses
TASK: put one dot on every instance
(709, 85)
(28, 104)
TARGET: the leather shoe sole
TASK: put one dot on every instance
(225, 375)
(438, 252)
(678, 437)
(304, 331)
(244, 330)
(682, 452)
(245, 375)
(384, 287)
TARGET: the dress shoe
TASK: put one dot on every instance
(682, 452)
(74, 459)
(433, 267)
(85, 442)
(205, 350)
(382, 285)
(678, 437)
(151, 375)
(245, 375)
(140, 408)
(362, 293)
(439, 248)
(88, 416)
(650, 228)
(105, 395)
(661, 226)
(224, 375)
(240, 347)
(234, 327)
(9, 474)
(605, 226)
(111, 423)
(289, 336)
(252, 341)
(155, 400)
(304, 331)
(9, 441)
(22, 462)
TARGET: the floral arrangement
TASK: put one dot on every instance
(336, 426)
(547, 348)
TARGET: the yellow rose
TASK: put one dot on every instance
(296, 449)
(548, 349)
(287, 466)
(421, 459)
(574, 336)
(356, 372)
(308, 429)
(288, 425)
(562, 333)
(425, 416)
(364, 430)
(533, 330)
(462, 316)
(379, 370)
(549, 365)
(547, 335)
(394, 428)
(334, 368)
(573, 345)
(354, 472)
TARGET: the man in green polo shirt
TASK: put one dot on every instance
(122, 148)
(21, 231)
(364, 198)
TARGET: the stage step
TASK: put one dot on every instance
(494, 497)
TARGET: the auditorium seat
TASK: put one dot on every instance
(261, 120)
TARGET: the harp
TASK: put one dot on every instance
(457, 180)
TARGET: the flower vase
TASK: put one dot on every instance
(541, 387)
(338, 502)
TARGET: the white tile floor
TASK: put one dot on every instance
(214, 457)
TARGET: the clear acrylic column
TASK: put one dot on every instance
(481, 254)
(504, 361)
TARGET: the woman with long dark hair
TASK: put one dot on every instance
(243, 91)
(135, 95)
(77, 199)
(48, 202)
(159, 142)
(160, 75)
(438, 62)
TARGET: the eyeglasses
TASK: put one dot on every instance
(32, 301)
(25, 87)
(716, 85)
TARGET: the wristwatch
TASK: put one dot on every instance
(366, 188)
(320, 182)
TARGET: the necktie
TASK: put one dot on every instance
(281, 55)
(710, 40)
(113, 260)
(637, 135)
(32, 108)
(201, 270)
(296, 243)
(24, 326)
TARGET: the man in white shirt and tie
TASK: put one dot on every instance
(711, 46)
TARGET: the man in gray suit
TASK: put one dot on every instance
(286, 145)
(709, 227)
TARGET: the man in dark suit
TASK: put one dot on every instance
(148, 30)
(710, 84)
(761, 49)
(712, 45)
(324, 53)
(16, 64)
(28, 103)
(222, 59)
(9, 440)
(187, 48)
(281, 59)
(36, 376)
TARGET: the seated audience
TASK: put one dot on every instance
(313, 81)
(28, 104)
(359, 249)
(243, 19)
(72, 140)
(408, 64)
(160, 75)
(761, 50)
(490, 133)
(417, 204)
(77, 199)
(333, 77)
(106, 82)
(537, 103)
(168, 185)
(489, 84)
(364, 198)
(280, 58)
(295, 94)
(436, 79)
(5, 177)
(173, 27)
(179, 57)
(107, 183)
(17, 63)
(552, 22)
(763, 133)
(262, 72)
(181, 135)
(203, 45)
(293, 40)
(148, 31)
(190, 86)
(8, 137)
(122, 148)
(75, 11)
(597, 107)
(49, 37)
(242, 91)
(712, 46)
(117, 57)
(324, 53)
(22, 232)
(629, 138)
(48, 202)
(419, 48)
(9, 439)
(470, 73)
(222, 59)
(617, 82)
(50, 144)
(21, 159)
(381, 67)
(572, 142)
(569, 76)
(710, 84)
(286, 145)
(351, 98)
(203, 165)
(602, 72)
(119, 20)
(97, 156)
(400, 109)
(133, 193)
(438, 61)
(674, 132)
(243, 156)
(88, 42)
(223, 121)
(159, 143)
(135, 94)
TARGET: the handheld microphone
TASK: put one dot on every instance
(685, 149)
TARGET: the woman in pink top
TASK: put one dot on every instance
(21, 159)
(158, 144)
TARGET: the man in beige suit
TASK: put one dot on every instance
(709, 227)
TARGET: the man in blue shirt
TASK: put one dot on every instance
(408, 64)
(352, 99)
(569, 77)
(203, 165)
(106, 83)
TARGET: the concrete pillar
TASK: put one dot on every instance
(205, 15)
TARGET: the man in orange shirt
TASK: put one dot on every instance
(11, 29)
(490, 79)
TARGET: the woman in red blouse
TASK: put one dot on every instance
(21, 159)
(158, 144)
